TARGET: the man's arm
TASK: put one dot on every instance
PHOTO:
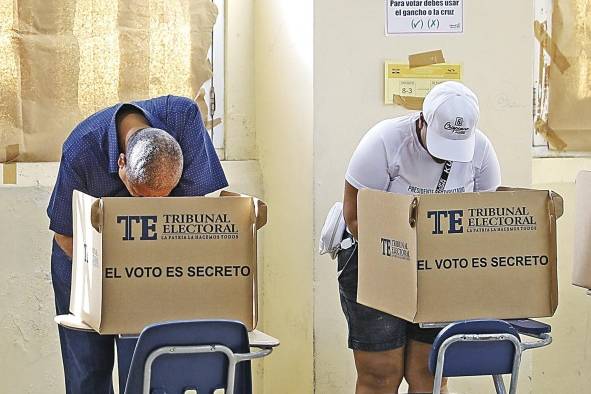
(65, 243)
(60, 205)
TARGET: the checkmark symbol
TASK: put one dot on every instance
(415, 24)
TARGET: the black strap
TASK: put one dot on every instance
(443, 178)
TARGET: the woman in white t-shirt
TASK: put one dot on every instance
(436, 151)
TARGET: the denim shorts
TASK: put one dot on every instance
(371, 330)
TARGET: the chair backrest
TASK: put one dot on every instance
(475, 358)
(177, 373)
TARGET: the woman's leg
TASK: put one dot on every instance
(416, 368)
(379, 372)
(376, 338)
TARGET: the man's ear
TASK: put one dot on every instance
(121, 160)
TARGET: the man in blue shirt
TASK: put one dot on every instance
(156, 147)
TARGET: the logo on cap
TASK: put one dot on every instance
(457, 127)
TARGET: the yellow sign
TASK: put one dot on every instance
(401, 80)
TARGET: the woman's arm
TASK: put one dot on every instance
(350, 208)
(368, 168)
(488, 176)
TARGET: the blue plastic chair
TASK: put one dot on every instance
(484, 347)
(202, 355)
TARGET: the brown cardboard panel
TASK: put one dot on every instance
(218, 297)
(387, 253)
(56, 72)
(569, 95)
(465, 277)
(555, 210)
(556, 200)
(558, 204)
(582, 254)
(12, 152)
(172, 258)
(86, 294)
(575, 140)
(478, 255)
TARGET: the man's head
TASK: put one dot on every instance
(451, 113)
(152, 164)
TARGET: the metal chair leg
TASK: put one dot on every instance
(441, 361)
(499, 384)
(439, 374)
(516, 366)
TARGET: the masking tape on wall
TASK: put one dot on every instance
(549, 135)
(9, 168)
(426, 58)
(9, 173)
(414, 103)
(550, 47)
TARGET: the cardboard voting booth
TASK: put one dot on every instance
(582, 255)
(446, 257)
(139, 261)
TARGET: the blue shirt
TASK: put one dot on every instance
(90, 153)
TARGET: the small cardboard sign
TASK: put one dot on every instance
(404, 80)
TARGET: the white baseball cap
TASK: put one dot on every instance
(451, 112)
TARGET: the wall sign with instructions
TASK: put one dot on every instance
(424, 16)
(402, 80)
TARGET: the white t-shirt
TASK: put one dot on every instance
(391, 158)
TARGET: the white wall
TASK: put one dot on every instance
(239, 132)
(30, 361)
(349, 51)
(283, 92)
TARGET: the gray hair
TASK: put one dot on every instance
(153, 158)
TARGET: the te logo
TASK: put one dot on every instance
(454, 221)
(148, 224)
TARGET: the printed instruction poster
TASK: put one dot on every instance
(424, 16)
